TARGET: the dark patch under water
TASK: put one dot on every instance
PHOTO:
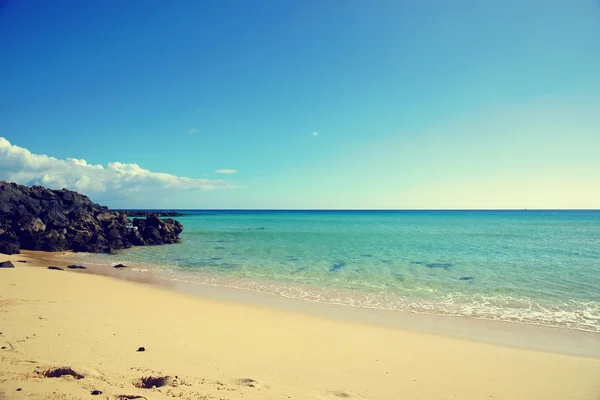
(466, 278)
(292, 258)
(215, 262)
(432, 265)
(219, 248)
(438, 265)
(223, 265)
(366, 255)
(398, 276)
(338, 265)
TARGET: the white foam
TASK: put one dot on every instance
(583, 316)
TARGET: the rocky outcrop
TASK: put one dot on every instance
(36, 218)
(156, 230)
(9, 243)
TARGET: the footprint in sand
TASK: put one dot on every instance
(150, 382)
(6, 346)
(59, 372)
(67, 372)
(248, 382)
(340, 395)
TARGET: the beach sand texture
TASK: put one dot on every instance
(66, 333)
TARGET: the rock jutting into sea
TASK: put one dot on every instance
(37, 218)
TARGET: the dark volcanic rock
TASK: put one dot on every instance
(9, 243)
(76, 267)
(141, 349)
(155, 230)
(46, 240)
(120, 266)
(6, 264)
(55, 268)
(36, 218)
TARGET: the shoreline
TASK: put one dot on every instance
(515, 334)
(88, 327)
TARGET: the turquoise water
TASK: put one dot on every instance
(538, 267)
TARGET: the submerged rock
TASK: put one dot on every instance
(438, 265)
(36, 218)
(337, 265)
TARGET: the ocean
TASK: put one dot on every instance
(538, 267)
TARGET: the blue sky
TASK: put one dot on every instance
(417, 104)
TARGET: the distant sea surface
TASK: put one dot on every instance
(540, 267)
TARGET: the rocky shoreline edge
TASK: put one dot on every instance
(37, 218)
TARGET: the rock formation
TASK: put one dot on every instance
(36, 218)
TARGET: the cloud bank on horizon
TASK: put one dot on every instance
(115, 183)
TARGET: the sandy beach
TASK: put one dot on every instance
(65, 334)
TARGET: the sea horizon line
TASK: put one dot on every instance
(355, 209)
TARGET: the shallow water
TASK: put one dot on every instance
(538, 267)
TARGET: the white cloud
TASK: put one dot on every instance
(192, 131)
(226, 171)
(315, 133)
(116, 182)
